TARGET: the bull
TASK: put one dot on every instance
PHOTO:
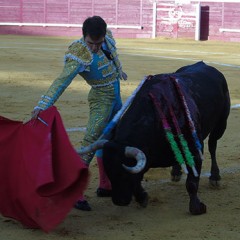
(187, 106)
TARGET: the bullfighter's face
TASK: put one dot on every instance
(94, 44)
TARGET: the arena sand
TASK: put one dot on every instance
(28, 66)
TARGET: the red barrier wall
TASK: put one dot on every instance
(127, 19)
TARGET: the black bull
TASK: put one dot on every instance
(143, 125)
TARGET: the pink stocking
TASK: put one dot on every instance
(104, 182)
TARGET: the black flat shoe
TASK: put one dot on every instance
(101, 192)
(82, 205)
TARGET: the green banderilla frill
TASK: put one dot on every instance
(188, 155)
(177, 153)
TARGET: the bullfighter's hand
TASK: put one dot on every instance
(35, 113)
(124, 76)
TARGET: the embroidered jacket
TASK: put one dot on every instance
(96, 68)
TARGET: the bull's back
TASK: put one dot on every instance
(208, 88)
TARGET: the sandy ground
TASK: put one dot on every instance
(28, 66)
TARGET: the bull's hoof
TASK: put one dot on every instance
(142, 200)
(197, 208)
(176, 178)
(214, 184)
(214, 181)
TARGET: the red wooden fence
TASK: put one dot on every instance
(127, 18)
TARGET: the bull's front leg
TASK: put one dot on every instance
(196, 207)
(140, 194)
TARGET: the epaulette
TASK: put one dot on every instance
(79, 51)
(110, 38)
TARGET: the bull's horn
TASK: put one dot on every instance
(139, 156)
(93, 147)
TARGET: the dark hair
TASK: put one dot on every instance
(95, 27)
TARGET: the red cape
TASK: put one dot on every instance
(41, 175)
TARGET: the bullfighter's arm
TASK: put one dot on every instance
(70, 70)
(111, 46)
